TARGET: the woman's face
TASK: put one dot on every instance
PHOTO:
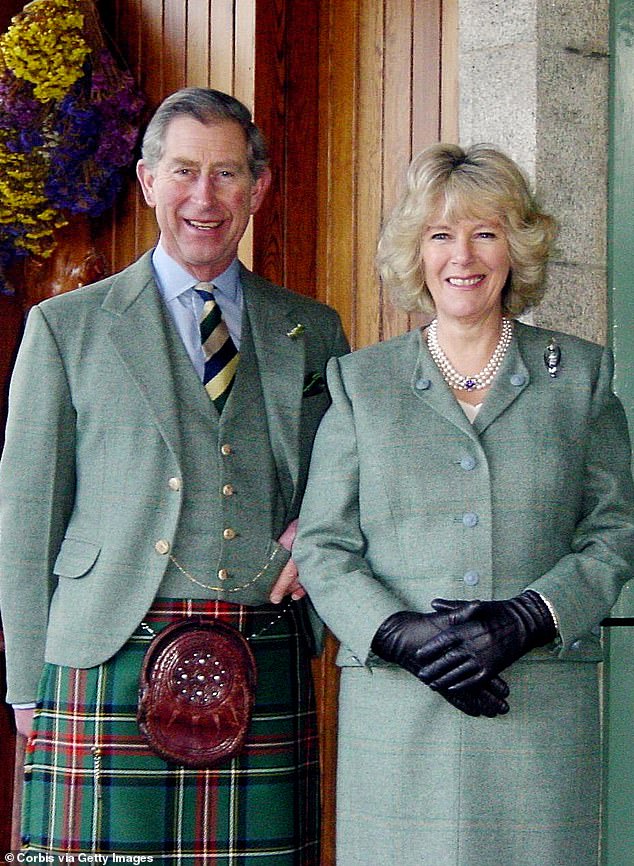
(466, 265)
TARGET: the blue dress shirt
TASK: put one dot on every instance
(185, 306)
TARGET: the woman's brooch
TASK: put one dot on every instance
(552, 358)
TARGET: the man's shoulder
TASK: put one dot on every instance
(138, 273)
(284, 297)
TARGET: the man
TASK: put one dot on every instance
(130, 500)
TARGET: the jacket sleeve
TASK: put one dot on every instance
(37, 485)
(583, 585)
(330, 546)
(340, 345)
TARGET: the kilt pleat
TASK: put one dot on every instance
(93, 785)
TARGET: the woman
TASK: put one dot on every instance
(475, 460)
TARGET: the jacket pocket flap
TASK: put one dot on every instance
(75, 557)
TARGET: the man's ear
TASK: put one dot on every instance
(260, 189)
(146, 179)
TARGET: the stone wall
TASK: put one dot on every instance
(533, 80)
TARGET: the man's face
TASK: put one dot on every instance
(203, 193)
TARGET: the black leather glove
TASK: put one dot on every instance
(496, 635)
(400, 637)
(485, 700)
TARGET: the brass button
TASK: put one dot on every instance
(229, 533)
(228, 490)
(162, 546)
(175, 483)
(223, 574)
(226, 449)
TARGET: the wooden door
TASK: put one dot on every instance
(346, 91)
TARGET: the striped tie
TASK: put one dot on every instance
(221, 355)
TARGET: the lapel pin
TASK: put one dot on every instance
(552, 358)
(296, 332)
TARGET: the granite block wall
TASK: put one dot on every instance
(533, 80)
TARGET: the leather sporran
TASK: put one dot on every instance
(196, 692)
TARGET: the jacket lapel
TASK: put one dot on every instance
(281, 363)
(430, 387)
(139, 336)
(512, 379)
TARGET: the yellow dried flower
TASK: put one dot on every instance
(68, 124)
(46, 47)
(23, 202)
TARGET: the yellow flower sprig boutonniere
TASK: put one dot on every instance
(296, 332)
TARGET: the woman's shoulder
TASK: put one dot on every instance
(536, 337)
(581, 363)
(395, 348)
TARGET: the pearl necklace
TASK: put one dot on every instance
(479, 380)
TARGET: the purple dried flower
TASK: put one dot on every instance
(88, 138)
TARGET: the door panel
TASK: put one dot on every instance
(618, 836)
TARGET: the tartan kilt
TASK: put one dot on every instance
(93, 785)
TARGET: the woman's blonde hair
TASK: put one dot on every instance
(450, 183)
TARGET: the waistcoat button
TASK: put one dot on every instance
(162, 546)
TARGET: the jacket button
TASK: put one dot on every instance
(175, 483)
(226, 449)
(468, 463)
(223, 574)
(518, 379)
(228, 490)
(423, 384)
(162, 546)
(229, 533)
(471, 578)
(470, 518)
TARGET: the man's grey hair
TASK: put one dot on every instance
(206, 106)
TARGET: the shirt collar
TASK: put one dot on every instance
(173, 280)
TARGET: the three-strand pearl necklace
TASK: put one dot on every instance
(480, 380)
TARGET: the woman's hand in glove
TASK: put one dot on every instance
(485, 700)
(495, 635)
(400, 637)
